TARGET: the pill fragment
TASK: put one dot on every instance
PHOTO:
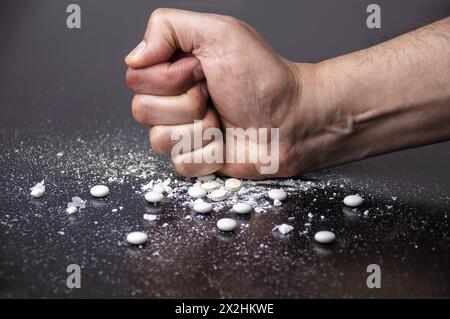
(77, 202)
(99, 191)
(71, 210)
(242, 208)
(353, 200)
(159, 188)
(210, 186)
(206, 178)
(324, 237)
(137, 238)
(277, 203)
(196, 192)
(218, 195)
(277, 194)
(202, 207)
(283, 228)
(38, 190)
(154, 197)
(226, 224)
(233, 184)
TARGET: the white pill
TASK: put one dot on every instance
(206, 178)
(226, 224)
(196, 192)
(218, 195)
(202, 207)
(283, 228)
(277, 203)
(71, 210)
(242, 208)
(137, 238)
(210, 186)
(99, 191)
(324, 237)
(233, 184)
(353, 200)
(277, 194)
(154, 197)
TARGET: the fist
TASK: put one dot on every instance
(194, 66)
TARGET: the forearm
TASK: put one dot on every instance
(392, 96)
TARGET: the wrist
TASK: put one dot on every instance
(322, 126)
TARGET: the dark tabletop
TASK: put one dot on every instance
(65, 118)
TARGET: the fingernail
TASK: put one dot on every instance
(137, 50)
(198, 73)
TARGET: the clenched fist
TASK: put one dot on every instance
(187, 57)
(194, 66)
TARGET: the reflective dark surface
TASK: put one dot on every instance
(64, 116)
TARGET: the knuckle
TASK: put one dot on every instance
(231, 21)
(158, 13)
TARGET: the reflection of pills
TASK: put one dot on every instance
(197, 192)
(203, 207)
(218, 195)
(154, 197)
(226, 224)
(324, 237)
(277, 194)
(99, 191)
(242, 208)
(233, 184)
(210, 186)
(137, 238)
(353, 200)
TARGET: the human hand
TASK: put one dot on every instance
(249, 84)
(340, 110)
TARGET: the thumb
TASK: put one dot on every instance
(168, 30)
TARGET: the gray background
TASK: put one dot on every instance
(57, 83)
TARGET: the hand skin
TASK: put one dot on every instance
(393, 96)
